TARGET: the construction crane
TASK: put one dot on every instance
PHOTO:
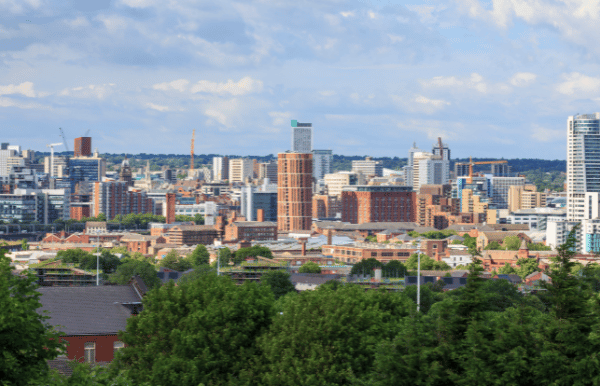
(471, 163)
(51, 146)
(192, 154)
(62, 133)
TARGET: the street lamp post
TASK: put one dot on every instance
(419, 280)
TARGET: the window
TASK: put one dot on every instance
(117, 346)
(90, 352)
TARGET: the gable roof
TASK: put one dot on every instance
(96, 310)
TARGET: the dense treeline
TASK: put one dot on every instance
(340, 162)
(209, 331)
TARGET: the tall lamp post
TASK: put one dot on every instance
(418, 280)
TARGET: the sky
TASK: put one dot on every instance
(492, 78)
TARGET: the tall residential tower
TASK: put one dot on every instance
(301, 137)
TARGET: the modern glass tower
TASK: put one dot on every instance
(583, 162)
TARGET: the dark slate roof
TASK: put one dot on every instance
(513, 278)
(165, 274)
(95, 310)
(255, 224)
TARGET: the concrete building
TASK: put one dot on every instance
(114, 198)
(366, 204)
(61, 166)
(536, 218)
(241, 169)
(500, 170)
(335, 182)
(220, 168)
(41, 205)
(89, 169)
(322, 160)
(294, 191)
(10, 156)
(268, 170)
(255, 198)
(408, 169)
(83, 147)
(368, 167)
(525, 197)
(583, 162)
(430, 169)
(301, 137)
(499, 189)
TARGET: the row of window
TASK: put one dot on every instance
(90, 350)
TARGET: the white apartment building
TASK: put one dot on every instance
(429, 169)
(207, 209)
(220, 168)
(583, 162)
(335, 182)
(301, 137)
(240, 169)
(368, 167)
(60, 166)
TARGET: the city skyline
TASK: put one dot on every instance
(490, 79)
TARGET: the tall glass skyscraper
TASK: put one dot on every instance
(583, 162)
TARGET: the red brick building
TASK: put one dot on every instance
(251, 231)
(294, 191)
(383, 203)
(83, 147)
(192, 235)
(114, 197)
(324, 206)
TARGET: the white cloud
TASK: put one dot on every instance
(18, 6)
(98, 91)
(372, 15)
(347, 13)
(433, 102)
(138, 3)
(7, 102)
(25, 88)
(543, 134)
(113, 23)
(396, 38)
(585, 86)
(179, 85)
(431, 128)
(475, 82)
(160, 108)
(443, 81)
(522, 79)
(79, 21)
(327, 93)
(246, 85)
(280, 118)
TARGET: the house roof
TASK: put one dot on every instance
(193, 228)
(96, 310)
(500, 235)
(255, 224)
(138, 237)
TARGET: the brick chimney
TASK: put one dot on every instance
(329, 234)
(233, 216)
(303, 245)
(170, 217)
(260, 215)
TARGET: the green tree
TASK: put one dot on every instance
(493, 246)
(24, 245)
(511, 243)
(201, 332)
(427, 263)
(279, 282)
(507, 269)
(131, 268)
(27, 341)
(310, 267)
(173, 261)
(72, 256)
(199, 256)
(469, 242)
(198, 219)
(254, 251)
(394, 269)
(527, 267)
(328, 336)
(366, 267)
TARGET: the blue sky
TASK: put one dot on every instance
(492, 78)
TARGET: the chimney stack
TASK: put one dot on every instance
(303, 244)
(260, 215)
(170, 217)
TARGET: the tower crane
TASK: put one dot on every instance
(192, 154)
(471, 163)
(62, 133)
(51, 146)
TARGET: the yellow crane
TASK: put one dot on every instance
(471, 163)
(192, 154)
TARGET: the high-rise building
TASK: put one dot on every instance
(336, 182)
(525, 197)
(240, 169)
(83, 147)
(60, 165)
(408, 169)
(322, 160)
(255, 198)
(115, 197)
(294, 191)
(429, 169)
(268, 170)
(500, 170)
(443, 152)
(583, 162)
(220, 168)
(82, 169)
(378, 203)
(499, 189)
(41, 205)
(368, 167)
(301, 137)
